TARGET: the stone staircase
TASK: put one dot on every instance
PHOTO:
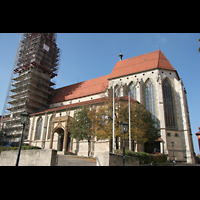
(60, 153)
(66, 153)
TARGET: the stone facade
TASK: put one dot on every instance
(110, 159)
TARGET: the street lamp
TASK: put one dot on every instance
(124, 129)
(173, 153)
(24, 121)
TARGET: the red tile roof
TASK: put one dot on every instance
(125, 98)
(85, 88)
(73, 105)
(198, 133)
(76, 105)
(141, 63)
(98, 85)
(4, 119)
(159, 139)
(198, 137)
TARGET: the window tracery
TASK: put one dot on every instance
(50, 128)
(150, 98)
(168, 104)
(132, 90)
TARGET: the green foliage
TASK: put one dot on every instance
(3, 148)
(144, 158)
(158, 158)
(142, 125)
(98, 121)
(80, 125)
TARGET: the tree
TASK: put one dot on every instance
(101, 118)
(80, 125)
(97, 120)
(143, 127)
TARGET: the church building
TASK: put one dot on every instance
(151, 80)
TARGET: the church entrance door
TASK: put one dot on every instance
(60, 132)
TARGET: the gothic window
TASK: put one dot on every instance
(117, 91)
(39, 129)
(50, 128)
(132, 90)
(168, 104)
(150, 98)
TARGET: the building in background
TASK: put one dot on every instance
(198, 137)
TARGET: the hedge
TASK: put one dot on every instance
(158, 158)
(3, 148)
(144, 158)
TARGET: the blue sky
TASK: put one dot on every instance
(90, 55)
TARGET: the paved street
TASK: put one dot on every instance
(183, 164)
(72, 160)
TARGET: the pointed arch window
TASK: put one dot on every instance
(39, 128)
(117, 91)
(50, 128)
(168, 104)
(132, 90)
(150, 98)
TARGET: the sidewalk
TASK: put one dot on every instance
(72, 160)
(183, 164)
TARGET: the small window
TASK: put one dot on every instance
(168, 134)
(176, 135)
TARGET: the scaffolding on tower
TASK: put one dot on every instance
(30, 87)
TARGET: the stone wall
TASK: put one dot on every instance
(101, 146)
(40, 157)
(110, 159)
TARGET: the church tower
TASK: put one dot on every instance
(30, 88)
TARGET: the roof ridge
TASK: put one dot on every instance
(136, 63)
(139, 55)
